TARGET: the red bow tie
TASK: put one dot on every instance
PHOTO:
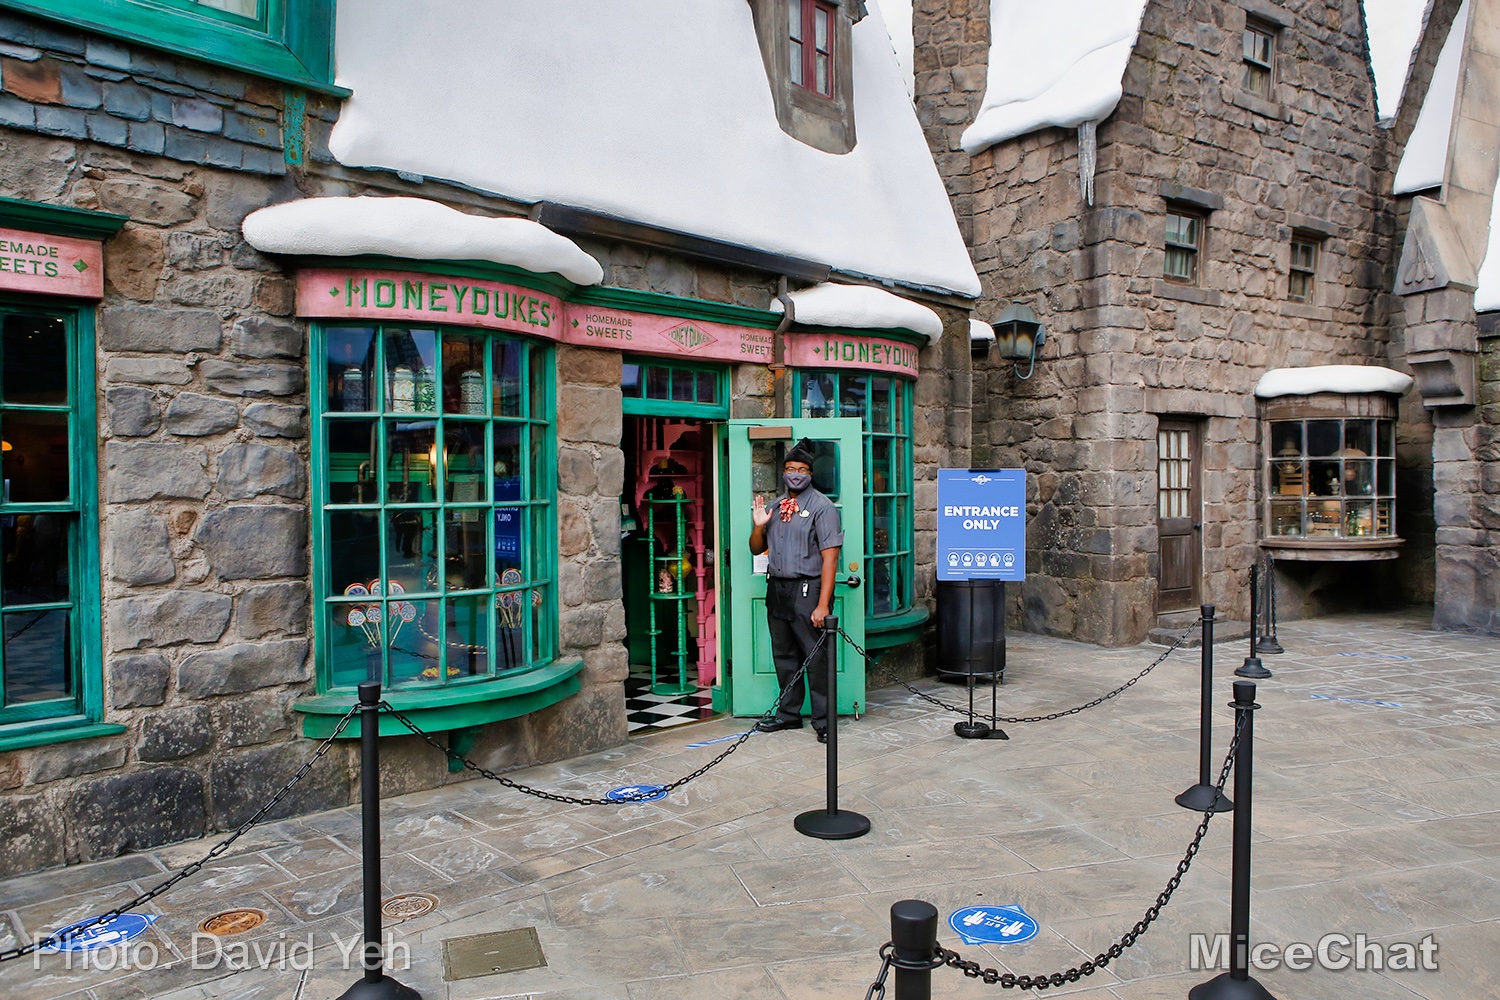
(788, 507)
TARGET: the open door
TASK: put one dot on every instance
(756, 448)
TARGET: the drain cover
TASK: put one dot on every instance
(408, 905)
(487, 954)
(233, 922)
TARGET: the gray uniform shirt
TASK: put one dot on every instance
(796, 546)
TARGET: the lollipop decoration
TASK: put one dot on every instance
(368, 617)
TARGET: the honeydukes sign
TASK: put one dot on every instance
(51, 265)
(840, 350)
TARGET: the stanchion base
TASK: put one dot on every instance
(996, 734)
(1252, 668)
(1200, 797)
(1268, 644)
(825, 825)
(971, 730)
(386, 989)
(1225, 987)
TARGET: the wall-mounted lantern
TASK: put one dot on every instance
(1018, 336)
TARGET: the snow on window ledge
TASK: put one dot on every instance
(1348, 379)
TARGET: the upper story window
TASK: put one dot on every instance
(434, 538)
(810, 31)
(287, 40)
(1184, 245)
(1304, 269)
(1259, 50)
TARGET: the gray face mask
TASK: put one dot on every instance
(796, 481)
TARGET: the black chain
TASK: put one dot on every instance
(997, 719)
(1010, 981)
(192, 869)
(645, 794)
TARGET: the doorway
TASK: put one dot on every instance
(1179, 517)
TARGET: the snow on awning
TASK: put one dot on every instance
(1346, 379)
(1057, 63)
(980, 331)
(1424, 163)
(860, 307)
(418, 229)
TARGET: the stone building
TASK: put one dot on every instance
(456, 380)
(1187, 195)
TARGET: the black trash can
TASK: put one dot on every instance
(971, 628)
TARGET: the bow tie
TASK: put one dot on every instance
(788, 507)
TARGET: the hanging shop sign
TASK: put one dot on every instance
(51, 265)
(981, 525)
(837, 350)
(397, 296)
(993, 925)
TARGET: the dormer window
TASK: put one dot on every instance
(811, 45)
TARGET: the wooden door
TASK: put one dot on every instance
(1179, 520)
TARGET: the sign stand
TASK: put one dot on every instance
(973, 730)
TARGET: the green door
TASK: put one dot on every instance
(756, 448)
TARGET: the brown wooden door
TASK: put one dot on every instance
(1179, 526)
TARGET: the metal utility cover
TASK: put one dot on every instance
(489, 954)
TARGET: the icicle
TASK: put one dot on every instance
(1088, 158)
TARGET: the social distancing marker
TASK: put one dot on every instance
(636, 793)
(110, 934)
(993, 925)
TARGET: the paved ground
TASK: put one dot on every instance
(1380, 819)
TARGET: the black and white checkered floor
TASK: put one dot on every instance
(647, 712)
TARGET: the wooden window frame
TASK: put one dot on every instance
(1254, 67)
(806, 75)
(1194, 249)
(1304, 275)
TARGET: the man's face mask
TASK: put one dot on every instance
(797, 481)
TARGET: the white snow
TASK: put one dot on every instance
(1487, 291)
(1425, 160)
(860, 307)
(418, 229)
(1330, 378)
(1393, 28)
(980, 330)
(657, 111)
(1053, 62)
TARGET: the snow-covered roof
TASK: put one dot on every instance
(1058, 62)
(897, 17)
(1330, 378)
(860, 307)
(1393, 28)
(657, 111)
(1424, 163)
(980, 330)
(415, 228)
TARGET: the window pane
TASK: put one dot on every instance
(878, 475)
(35, 360)
(465, 550)
(37, 557)
(411, 449)
(658, 382)
(708, 387)
(243, 8)
(1299, 286)
(820, 29)
(1385, 517)
(510, 629)
(411, 550)
(353, 644)
(467, 648)
(352, 462)
(464, 468)
(1359, 437)
(1384, 440)
(794, 19)
(410, 359)
(795, 63)
(414, 648)
(540, 632)
(852, 390)
(353, 546)
(880, 405)
(1303, 255)
(38, 655)
(1179, 263)
(1324, 437)
(507, 467)
(1257, 80)
(817, 395)
(1286, 517)
(882, 585)
(540, 461)
(1359, 519)
(1385, 481)
(539, 389)
(506, 387)
(1325, 479)
(508, 544)
(463, 374)
(630, 380)
(684, 384)
(883, 531)
(1359, 477)
(352, 369)
(821, 63)
(36, 459)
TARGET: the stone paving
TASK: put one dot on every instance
(1377, 819)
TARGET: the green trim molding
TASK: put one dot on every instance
(55, 731)
(459, 706)
(887, 631)
(59, 220)
(672, 305)
(294, 44)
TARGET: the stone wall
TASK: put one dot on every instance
(1124, 346)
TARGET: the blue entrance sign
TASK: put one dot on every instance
(636, 793)
(993, 925)
(981, 524)
(109, 934)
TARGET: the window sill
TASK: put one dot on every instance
(1334, 549)
(887, 631)
(1186, 293)
(449, 708)
(35, 734)
(1255, 104)
(1306, 310)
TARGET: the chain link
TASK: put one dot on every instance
(1009, 981)
(644, 795)
(1013, 719)
(192, 869)
(877, 988)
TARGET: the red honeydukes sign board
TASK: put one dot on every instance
(330, 293)
(51, 265)
(839, 350)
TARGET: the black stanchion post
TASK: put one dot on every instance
(1204, 795)
(1267, 643)
(376, 985)
(1237, 984)
(913, 943)
(1252, 667)
(831, 823)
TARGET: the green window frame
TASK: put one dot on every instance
(657, 388)
(434, 461)
(51, 683)
(287, 40)
(884, 405)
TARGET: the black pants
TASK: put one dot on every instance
(789, 608)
